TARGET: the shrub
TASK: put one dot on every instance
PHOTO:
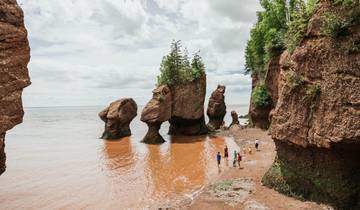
(297, 26)
(260, 96)
(335, 26)
(294, 80)
(312, 92)
(176, 68)
(346, 3)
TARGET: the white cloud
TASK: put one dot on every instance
(113, 48)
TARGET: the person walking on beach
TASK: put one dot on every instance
(226, 152)
(239, 158)
(235, 158)
(257, 145)
(249, 150)
(218, 158)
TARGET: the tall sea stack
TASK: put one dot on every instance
(216, 108)
(316, 121)
(187, 117)
(14, 58)
(157, 111)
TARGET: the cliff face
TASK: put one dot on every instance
(187, 117)
(316, 121)
(259, 115)
(14, 57)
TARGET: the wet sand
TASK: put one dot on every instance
(254, 167)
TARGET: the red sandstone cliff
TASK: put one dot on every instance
(316, 121)
(14, 57)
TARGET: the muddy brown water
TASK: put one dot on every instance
(55, 161)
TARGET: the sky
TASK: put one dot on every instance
(91, 52)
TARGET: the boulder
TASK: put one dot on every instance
(117, 118)
(157, 111)
(235, 119)
(187, 117)
(14, 58)
(216, 108)
(316, 121)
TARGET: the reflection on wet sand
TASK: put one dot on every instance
(167, 172)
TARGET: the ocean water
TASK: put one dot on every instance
(56, 161)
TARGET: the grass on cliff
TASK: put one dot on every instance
(177, 68)
(336, 26)
(294, 80)
(260, 96)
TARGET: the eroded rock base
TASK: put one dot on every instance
(329, 176)
(120, 132)
(153, 136)
(179, 126)
(215, 124)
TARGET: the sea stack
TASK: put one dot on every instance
(216, 108)
(316, 121)
(14, 58)
(117, 118)
(187, 116)
(157, 111)
(235, 119)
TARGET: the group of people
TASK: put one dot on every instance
(237, 156)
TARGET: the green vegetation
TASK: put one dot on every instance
(297, 26)
(267, 35)
(294, 80)
(346, 3)
(312, 92)
(278, 27)
(335, 26)
(260, 96)
(176, 67)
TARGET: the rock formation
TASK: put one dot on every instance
(157, 111)
(14, 57)
(235, 119)
(187, 116)
(316, 121)
(117, 118)
(216, 108)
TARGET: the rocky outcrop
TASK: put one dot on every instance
(216, 108)
(117, 118)
(157, 111)
(187, 116)
(14, 58)
(259, 116)
(235, 119)
(316, 121)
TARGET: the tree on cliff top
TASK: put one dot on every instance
(176, 67)
(281, 25)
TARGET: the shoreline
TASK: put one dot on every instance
(238, 188)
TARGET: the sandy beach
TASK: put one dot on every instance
(241, 188)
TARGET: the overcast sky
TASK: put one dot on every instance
(90, 52)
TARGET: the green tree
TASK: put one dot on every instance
(267, 36)
(176, 67)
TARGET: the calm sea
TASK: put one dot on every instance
(56, 161)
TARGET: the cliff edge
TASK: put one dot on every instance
(14, 57)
